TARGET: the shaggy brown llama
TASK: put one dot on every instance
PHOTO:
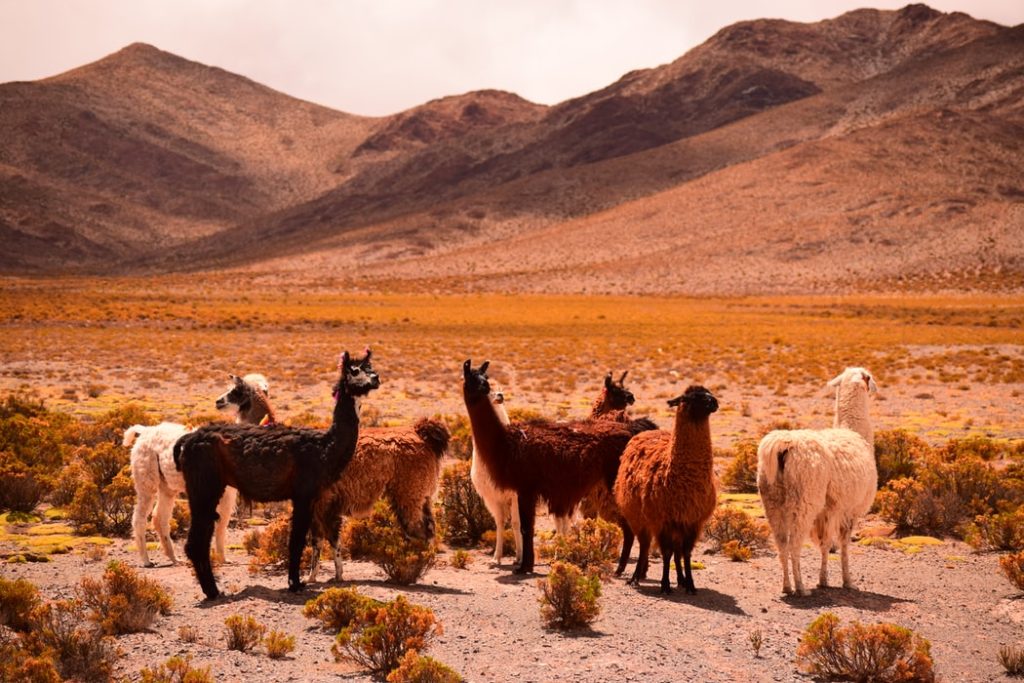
(400, 464)
(666, 486)
(270, 464)
(541, 460)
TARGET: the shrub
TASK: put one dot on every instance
(593, 546)
(378, 637)
(380, 539)
(38, 439)
(464, 517)
(569, 598)
(460, 444)
(271, 551)
(736, 552)
(897, 454)
(105, 497)
(1012, 659)
(122, 601)
(980, 447)
(243, 633)
(460, 559)
(732, 524)
(279, 644)
(756, 639)
(188, 633)
(18, 664)
(79, 649)
(17, 600)
(24, 486)
(488, 539)
(337, 607)
(858, 652)
(176, 670)
(67, 484)
(1013, 567)
(741, 474)
(1001, 531)
(417, 668)
(109, 427)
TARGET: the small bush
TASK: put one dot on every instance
(736, 552)
(271, 553)
(464, 517)
(251, 541)
(188, 633)
(980, 447)
(417, 668)
(1012, 659)
(380, 539)
(103, 502)
(756, 639)
(379, 637)
(732, 524)
(460, 559)
(1013, 567)
(593, 546)
(24, 486)
(897, 454)
(176, 670)
(279, 644)
(18, 664)
(335, 608)
(17, 600)
(569, 598)
(1001, 531)
(79, 649)
(67, 483)
(243, 633)
(488, 539)
(741, 474)
(858, 652)
(122, 601)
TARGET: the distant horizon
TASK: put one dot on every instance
(343, 55)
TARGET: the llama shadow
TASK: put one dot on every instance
(706, 598)
(411, 588)
(262, 593)
(512, 579)
(585, 632)
(843, 597)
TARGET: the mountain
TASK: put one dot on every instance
(879, 148)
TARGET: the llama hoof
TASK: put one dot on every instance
(850, 585)
(520, 569)
(666, 590)
(803, 592)
(823, 584)
(296, 587)
(690, 590)
(210, 597)
(148, 565)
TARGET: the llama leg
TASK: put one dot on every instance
(640, 571)
(499, 535)
(665, 543)
(197, 548)
(225, 510)
(680, 577)
(302, 514)
(314, 560)
(846, 531)
(689, 541)
(823, 572)
(162, 521)
(794, 555)
(527, 514)
(338, 550)
(517, 529)
(140, 519)
(627, 547)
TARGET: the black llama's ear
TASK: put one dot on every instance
(345, 360)
(366, 358)
(483, 368)
(623, 378)
(674, 402)
(608, 380)
(467, 367)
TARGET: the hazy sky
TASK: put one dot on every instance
(381, 56)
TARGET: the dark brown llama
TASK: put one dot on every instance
(268, 464)
(538, 459)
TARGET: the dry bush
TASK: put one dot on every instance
(379, 538)
(109, 427)
(17, 600)
(176, 670)
(417, 668)
(271, 547)
(859, 652)
(736, 551)
(103, 502)
(188, 633)
(17, 663)
(181, 519)
(980, 447)
(1013, 567)
(279, 644)
(460, 444)
(67, 484)
(732, 524)
(593, 546)
(460, 559)
(897, 454)
(24, 486)
(488, 539)
(251, 541)
(378, 637)
(1012, 659)
(1001, 531)
(243, 633)
(464, 517)
(741, 474)
(569, 598)
(122, 601)
(335, 608)
(79, 649)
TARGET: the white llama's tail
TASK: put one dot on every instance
(131, 434)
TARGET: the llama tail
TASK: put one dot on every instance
(131, 434)
(641, 424)
(434, 434)
(771, 456)
(177, 452)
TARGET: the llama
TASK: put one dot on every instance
(269, 464)
(556, 462)
(155, 477)
(400, 464)
(820, 481)
(502, 505)
(666, 486)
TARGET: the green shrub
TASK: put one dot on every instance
(335, 608)
(1001, 531)
(1013, 567)
(176, 670)
(417, 668)
(243, 633)
(464, 517)
(122, 601)
(593, 546)
(378, 637)
(569, 598)
(279, 644)
(17, 600)
(380, 539)
(732, 524)
(741, 474)
(897, 454)
(78, 647)
(858, 652)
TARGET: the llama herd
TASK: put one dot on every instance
(657, 485)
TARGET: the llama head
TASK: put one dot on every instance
(239, 395)
(616, 395)
(358, 377)
(497, 395)
(854, 379)
(696, 401)
(475, 384)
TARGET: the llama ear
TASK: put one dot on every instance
(483, 368)
(674, 402)
(369, 353)
(623, 378)
(345, 360)
(834, 382)
(467, 367)
(608, 380)
(872, 387)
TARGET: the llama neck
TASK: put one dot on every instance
(691, 445)
(852, 413)
(499, 410)
(600, 406)
(342, 434)
(259, 408)
(489, 433)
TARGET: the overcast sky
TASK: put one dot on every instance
(377, 57)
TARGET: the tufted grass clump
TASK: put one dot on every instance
(864, 652)
(243, 633)
(569, 598)
(378, 637)
(380, 539)
(176, 670)
(17, 600)
(335, 608)
(279, 644)
(736, 551)
(417, 668)
(593, 546)
(460, 559)
(122, 601)
(1012, 566)
(729, 524)
(463, 515)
